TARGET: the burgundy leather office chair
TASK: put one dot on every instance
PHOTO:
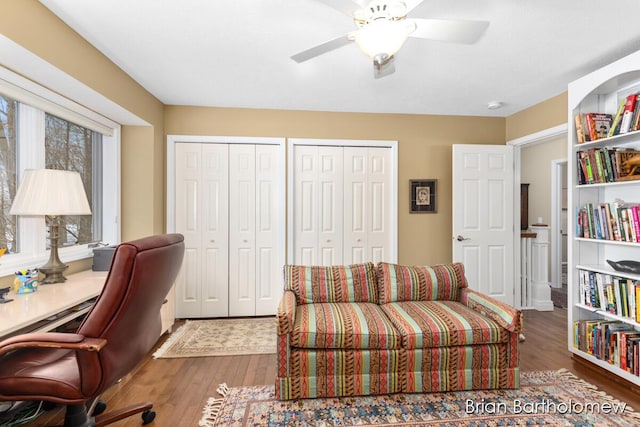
(117, 333)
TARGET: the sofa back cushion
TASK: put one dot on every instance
(419, 283)
(336, 283)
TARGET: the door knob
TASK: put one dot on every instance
(459, 238)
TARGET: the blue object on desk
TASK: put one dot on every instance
(27, 281)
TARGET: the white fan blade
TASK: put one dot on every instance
(346, 6)
(384, 69)
(412, 4)
(325, 47)
(448, 30)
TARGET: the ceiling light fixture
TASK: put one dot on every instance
(381, 37)
(494, 105)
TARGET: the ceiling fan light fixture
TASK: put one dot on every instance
(381, 36)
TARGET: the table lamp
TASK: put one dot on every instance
(51, 193)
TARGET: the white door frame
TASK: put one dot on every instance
(557, 166)
(393, 145)
(532, 139)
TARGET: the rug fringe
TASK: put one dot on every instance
(212, 409)
(173, 337)
(569, 376)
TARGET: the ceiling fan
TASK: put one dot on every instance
(383, 27)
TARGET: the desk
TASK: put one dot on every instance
(51, 305)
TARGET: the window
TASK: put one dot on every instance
(75, 148)
(8, 167)
(39, 130)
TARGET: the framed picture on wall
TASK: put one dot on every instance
(422, 195)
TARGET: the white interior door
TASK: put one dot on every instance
(229, 204)
(201, 194)
(269, 230)
(242, 230)
(367, 197)
(255, 261)
(483, 217)
(318, 190)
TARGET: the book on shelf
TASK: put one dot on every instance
(603, 165)
(609, 293)
(615, 124)
(618, 221)
(612, 341)
(596, 125)
(592, 126)
(627, 115)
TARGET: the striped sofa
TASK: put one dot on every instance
(365, 329)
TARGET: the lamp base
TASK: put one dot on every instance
(53, 269)
(52, 274)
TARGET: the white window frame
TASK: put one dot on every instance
(35, 101)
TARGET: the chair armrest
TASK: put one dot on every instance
(286, 314)
(52, 340)
(501, 313)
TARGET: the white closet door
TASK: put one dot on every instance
(379, 218)
(242, 230)
(356, 201)
(318, 189)
(215, 236)
(367, 198)
(269, 203)
(201, 184)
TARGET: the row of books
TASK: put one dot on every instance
(615, 342)
(613, 294)
(594, 126)
(601, 165)
(617, 221)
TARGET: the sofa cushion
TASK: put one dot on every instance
(343, 325)
(424, 324)
(419, 283)
(338, 283)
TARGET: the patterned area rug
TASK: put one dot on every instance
(555, 398)
(221, 337)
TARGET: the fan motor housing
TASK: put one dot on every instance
(390, 10)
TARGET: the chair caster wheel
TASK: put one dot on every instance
(148, 416)
(99, 408)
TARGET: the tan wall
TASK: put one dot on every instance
(545, 115)
(424, 151)
(34, 27)
(536, 171)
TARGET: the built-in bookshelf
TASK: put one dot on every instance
(603, 200)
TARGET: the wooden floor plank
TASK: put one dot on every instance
(179, 388)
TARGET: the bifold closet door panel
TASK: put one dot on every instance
(318, 204)
(269, 234)
(255, 264)
(202, 217)
(367, 197)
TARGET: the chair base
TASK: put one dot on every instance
(78, 415)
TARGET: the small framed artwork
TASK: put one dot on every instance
(423, 195)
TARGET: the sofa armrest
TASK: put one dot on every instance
(286, 314)
(501, 313)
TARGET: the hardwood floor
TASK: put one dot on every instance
(179, 388)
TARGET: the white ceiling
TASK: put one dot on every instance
(236, 53)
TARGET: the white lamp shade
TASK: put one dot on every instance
(381, 36)
(50, 192)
